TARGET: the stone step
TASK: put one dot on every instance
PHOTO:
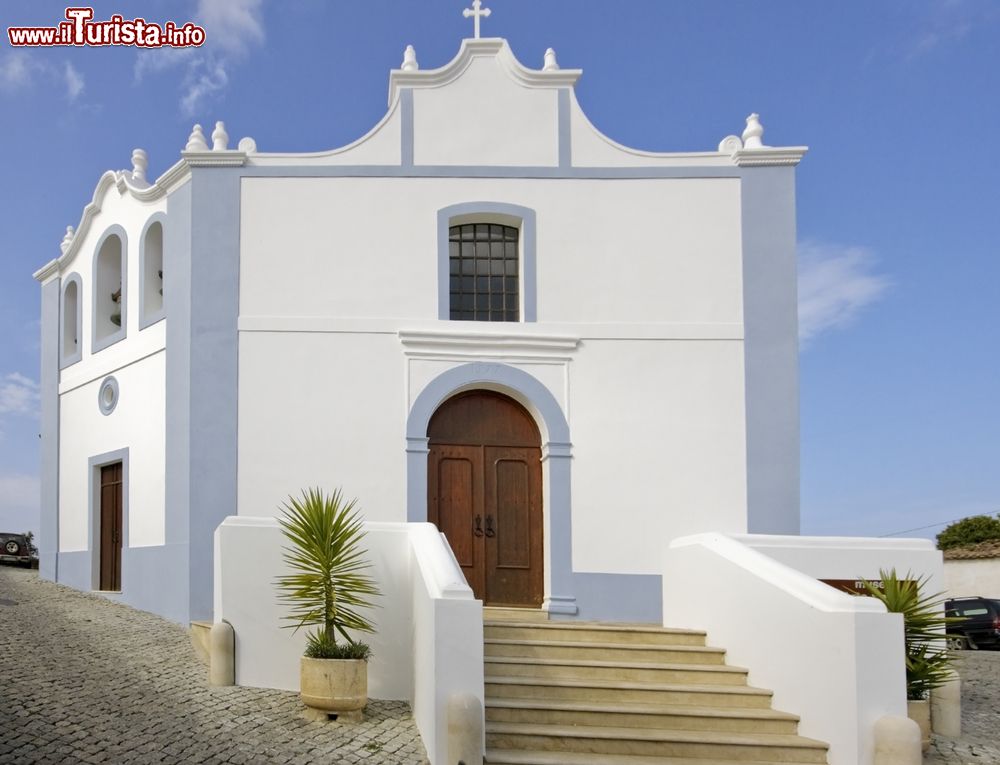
(626, 652)
(626, 715)
(580, 669)
(497, 613)
(200, 631)
(610, 691)
(736, 747)
(529, 757)
(592, 632)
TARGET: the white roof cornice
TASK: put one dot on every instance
(123, 181)
(494, 47)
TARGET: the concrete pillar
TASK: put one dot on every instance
(946, 708)
(465, 730)
(222, 655)
(897, 741)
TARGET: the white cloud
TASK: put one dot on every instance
(20, 70)
(835, 283)
(16, 70)
(74, 81)
(18, 395)
(232, 27)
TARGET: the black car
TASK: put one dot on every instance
(979, 625)
(16, 548)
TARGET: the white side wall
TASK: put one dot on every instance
(138, 364)
(428, 644)
(137, 423)
(834, 659)
(979, 576)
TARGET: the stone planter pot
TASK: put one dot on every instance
(334, 686)
(920, 713)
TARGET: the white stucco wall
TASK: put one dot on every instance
(644, 276)
(136, 424)
(979, 576)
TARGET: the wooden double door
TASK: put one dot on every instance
(484, 492)
(111, 527)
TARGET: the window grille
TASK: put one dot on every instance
(484, 263)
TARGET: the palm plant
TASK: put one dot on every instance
(330, 584)
(928, 663)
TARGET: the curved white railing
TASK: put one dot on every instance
(834, 659)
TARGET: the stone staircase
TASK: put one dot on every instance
(572, 693)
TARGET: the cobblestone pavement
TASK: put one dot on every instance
(980, 741)
(85, 680)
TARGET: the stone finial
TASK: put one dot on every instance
(247, 145)
(196, 141)
(730, 144)
(754, 133)
(139, 164)
(550, 61)
(410, 60)
(220, 138)
(67, 240)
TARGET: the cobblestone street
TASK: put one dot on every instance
(90, 681)
(980, 742)
(86, 680)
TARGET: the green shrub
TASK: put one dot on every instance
(330, 585)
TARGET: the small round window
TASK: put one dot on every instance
(107, 396)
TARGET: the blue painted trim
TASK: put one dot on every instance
(104, 342)
(486, 171)
(556, 460)
(64, 359)
(155, 316)
(48, 469)
(94, 465)
(406, 128)
(177, 433)
(214, 371)
(565, 133)
(619, 597)
(109, 406)
(516, 383)
(524, 218)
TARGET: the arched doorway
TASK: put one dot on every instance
(484, 491)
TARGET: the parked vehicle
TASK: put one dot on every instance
(980, 622)
(16, 548)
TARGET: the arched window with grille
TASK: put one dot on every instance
(486, 262)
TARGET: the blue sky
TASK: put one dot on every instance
(899, 101)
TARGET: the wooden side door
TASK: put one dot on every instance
(111, 527)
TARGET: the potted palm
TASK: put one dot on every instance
(329, 588)
(928, 663)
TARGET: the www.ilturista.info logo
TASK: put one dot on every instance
(79, 29)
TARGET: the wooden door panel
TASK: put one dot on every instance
(111, 527)
(511, 507)
(484, 463)
(513, 483)
(454, 490)
(455, 501)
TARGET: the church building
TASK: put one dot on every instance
(483, 313)
(576, 359)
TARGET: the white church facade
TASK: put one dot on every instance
(484, 314)
(287, 321)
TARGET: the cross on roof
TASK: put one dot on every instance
(476, 11)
